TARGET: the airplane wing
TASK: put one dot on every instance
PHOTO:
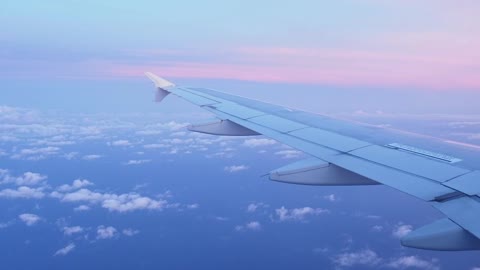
(349, 153)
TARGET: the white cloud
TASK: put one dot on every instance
(285, 214)
(72, 230)
(120, 143)
(330, 197)
(252, 207)
(148, 132)
(115, 202)
(29, 219)
(137, 161)
(156, 146)
(132, 202)
(289, 153)
(253, 225)
(130, 232)
(173, 126)
(30, 179)
(82, 208)
(77, 183)
(401, 230)
(23, 192)
(91, 157)
(26, 179)
(178, 134)
(377, 228)
(413, 262)
(235, 168)
(64, 251)
(70, 155)
(4, 225)
(106, 232)
(250, 226)
(193, 206)
(36, 153)
(258, 142)
(16, 115)
(218, 218)
(365, 257)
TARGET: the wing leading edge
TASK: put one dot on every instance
(340, 158)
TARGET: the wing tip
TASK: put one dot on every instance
(159, 82)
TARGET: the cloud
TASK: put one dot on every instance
(289, 154)
(377, 228)
(132, 202)
(114, 202)
(401, 230)
(23, 192)
(258, 142)
(29, 219)
(30, 179)
(331, 198)
(253, 226)
(130, 232)
(193, 206)
(26, 179)
(72, 230)
(156, 146)
(120, 143)
(17, 115)
(137, 161)
(235, 168)
(252, 207)
(413, 262)
(64, 251)
(36, 153)
(297, 214)
(4, 225)
(159, 128)
(174, 126)
(77, 183)
(366, 257)
(92, 157)
(148, 132)
(250, 226)
(106, 232)
(82, 208)
(70, 155)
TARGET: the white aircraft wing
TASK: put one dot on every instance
(349, 153)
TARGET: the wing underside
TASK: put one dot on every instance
(339, 158)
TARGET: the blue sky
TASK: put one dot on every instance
(94, 174)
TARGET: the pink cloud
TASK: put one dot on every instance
(435, 61)
(439, 61)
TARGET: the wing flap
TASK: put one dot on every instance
(329, 139)
(277, 123)
(467, 183)
(411, 184)
(418, 165)
(465, 211)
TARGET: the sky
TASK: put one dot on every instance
(94, 174)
